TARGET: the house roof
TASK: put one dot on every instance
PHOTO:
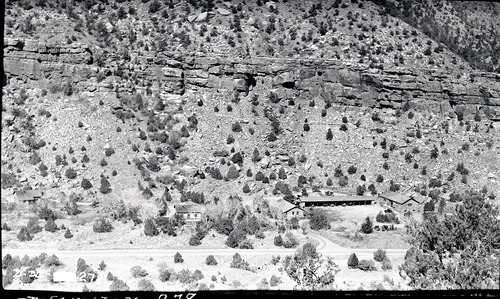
(28, 195)
(189, 209)
(336, 198)
(395, 197)
(284, 205)
(418, 197)
(296, 207)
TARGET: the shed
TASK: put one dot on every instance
(29, 196)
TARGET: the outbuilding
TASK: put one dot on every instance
(29, 196)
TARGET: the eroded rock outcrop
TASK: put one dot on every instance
(178, 73)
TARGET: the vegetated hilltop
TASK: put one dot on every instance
(360, 32)
(209, 99)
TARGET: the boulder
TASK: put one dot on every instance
(202, 17)
(191, 18)
(240, 85)
(284, 78)
(251, 21)
(172, 72)
(264, 163)
(223, 11)
(271, 4)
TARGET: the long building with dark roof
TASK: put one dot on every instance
(326, 201)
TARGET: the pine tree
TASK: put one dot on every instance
(367, 226)
(353, 261)
(329, 134)
(105, 186)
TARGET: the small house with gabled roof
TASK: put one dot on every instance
(190, 212)
(290, 210)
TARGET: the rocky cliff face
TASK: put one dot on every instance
(30, 61)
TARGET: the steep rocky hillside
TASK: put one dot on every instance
(349, 99)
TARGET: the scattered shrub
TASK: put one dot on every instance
(386, 264)
(178, 258)
(319, 220)
(164, 275)
(137, 271)
(102, 225)
(118, 286)
(379, 255)
(145, 285)
(211, 260)
(367, 265)
(274, 281)
(51, 226)
(278, 241)
(239, 263)
(150, 228)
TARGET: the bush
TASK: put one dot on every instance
(246, 188)
(352, 169)
(319, 221)
(105, 186)
(52, 261)
(329, 134)
(367, 265)
(232, 173)
(239, 263)
(185, 276)
(379, 255)
(290, 241)
(164, 275)
(235, 238)
(33, 226)
(119, 285)
(211, 260)
(102, 225)
(197, 275)
(278, 241)
(51, 226)
(353, 261)
(145, 285)
(178, 258)
(150, 228)
(137, 271)
(70, 173)
(7, 261)
(102, 266)
(236, 127)
(86, 184)
(360, 190)
(386, 264)
(274, 281)
(343, 181)
(8, 278)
